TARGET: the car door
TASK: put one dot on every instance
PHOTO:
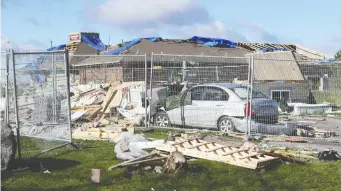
(212, 106)
(186, 113)
(190, 109)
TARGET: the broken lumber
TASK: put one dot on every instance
(134, 160)
(227, 154)
(143, 161)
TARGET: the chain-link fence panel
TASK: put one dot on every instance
(295, 98)
(40, 101)
(114, 84)
(197, 91)
(3, 85)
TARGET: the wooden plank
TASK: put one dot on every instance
(250, 155)
(234, 151)
(133, 160)
(200, 144)
(143, 161)
(226, 157)
(185, 141)
(107, 102)
(214, 157)
(86, 107)
(217, 148)
(265, 158)
(92, 113)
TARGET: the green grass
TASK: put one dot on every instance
(329, 97)
(71, 170)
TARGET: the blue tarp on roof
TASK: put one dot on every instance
(328, 60)
(123, 48)
(56, 48)
(36, 76)
(130, 44)
(94, 42)
(271, 49)
(153, 39)
(214, 42)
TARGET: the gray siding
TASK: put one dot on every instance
(299, 92)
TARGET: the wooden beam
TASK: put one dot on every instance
(235, 151)
(143, 161)
(133, 160)
(200, 144)
(250, 155)
(217, 148)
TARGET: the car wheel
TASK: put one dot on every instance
(225, 125)
(161, 119)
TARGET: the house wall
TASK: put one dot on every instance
(203, 73)
(99, 75)
(298, 92)
(82, 49)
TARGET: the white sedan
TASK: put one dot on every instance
(214, 105)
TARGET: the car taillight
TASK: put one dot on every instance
(247, 110)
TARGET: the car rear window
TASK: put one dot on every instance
(242, 93)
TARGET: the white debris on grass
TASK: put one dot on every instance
(129, 146)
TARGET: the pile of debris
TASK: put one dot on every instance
(97, 108)
(168, 152)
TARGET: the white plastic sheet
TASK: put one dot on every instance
(135, 145)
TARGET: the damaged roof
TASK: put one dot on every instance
(178, 50)
(272, 66)
(183, 47)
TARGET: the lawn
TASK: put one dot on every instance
(71, 169)
(332, 97)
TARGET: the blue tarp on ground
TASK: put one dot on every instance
(94, 42)
(214, 42)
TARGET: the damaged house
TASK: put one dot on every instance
(278, 75)
(124, 63)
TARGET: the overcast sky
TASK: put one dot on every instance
(32, 24)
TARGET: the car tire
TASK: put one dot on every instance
(225, 125)
(161, 119)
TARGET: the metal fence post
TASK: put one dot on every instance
(54, 89)
(67, 74)
(217, 73)
(132, 75)
(16, 105)
(145, 93)
(248, 96)
(7, 88)
(183, 71)
(251, 92)
(151, 86)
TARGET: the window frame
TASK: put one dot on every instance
(195, 88)
(217, 88)
(280, 94)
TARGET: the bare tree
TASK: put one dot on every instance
(338, 55)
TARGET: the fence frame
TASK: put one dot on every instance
(12, 54)
(250, 86)
(153, 55)
(311, 62)
(118, 61)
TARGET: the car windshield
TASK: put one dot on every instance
(242, 93)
